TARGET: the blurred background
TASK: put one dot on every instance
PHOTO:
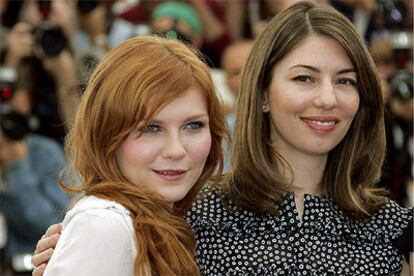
(49, 48)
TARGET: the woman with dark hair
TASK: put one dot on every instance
(308, 147)
(307, 151)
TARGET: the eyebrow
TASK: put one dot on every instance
(191, 118)
(317, 70)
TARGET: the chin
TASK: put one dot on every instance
(173, 197)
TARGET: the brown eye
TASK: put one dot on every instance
(303, 78)
(347, 81)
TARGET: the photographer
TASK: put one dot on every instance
(30, 198)
(37, 46)
(398, 167)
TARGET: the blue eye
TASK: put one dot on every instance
(195, 125)
(347, 81)
(151, 129)
(303, 78)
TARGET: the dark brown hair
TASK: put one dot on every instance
(353, 165)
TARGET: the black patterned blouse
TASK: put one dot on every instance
(325, 242)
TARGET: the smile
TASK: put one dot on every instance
(170, 174)
(321, 124)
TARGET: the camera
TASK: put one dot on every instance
(14, 125)
(8, 77)
(44, 8)
(50, 38)
(86, 6)
(402, 86)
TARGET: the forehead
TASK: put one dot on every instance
(237, 55)
(192, 102)
(319, 51)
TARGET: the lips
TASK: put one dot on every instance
(321, 124)
(170, 174)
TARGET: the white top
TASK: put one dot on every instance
(97, 239)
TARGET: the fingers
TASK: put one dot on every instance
(46, 243)
(38, 271)
(40, 259)
(53, 229)
(45, 247)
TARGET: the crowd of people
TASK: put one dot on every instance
(55, 56)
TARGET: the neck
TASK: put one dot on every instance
(307, 176)
(307, 172)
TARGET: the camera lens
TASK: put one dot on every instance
(50, 38)
(402, 85)
(14, 125)
(86, 6)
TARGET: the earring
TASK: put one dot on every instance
(265, 106)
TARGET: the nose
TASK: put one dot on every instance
(173, 147)
(326, 96)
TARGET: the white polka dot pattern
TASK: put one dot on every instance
(325, 242)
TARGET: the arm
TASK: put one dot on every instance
(63, 69)
(235, 17)
(215, 28)
(98, 242)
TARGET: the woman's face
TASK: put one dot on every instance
(313, 97)
(169, 155)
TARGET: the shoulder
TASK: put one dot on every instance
(43, 143)
(98, 237)
(392, 219)
(100, 217)
(396, 224)
(96, 204)
(45, 153)
(389, 223)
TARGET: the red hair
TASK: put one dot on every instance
(132, 84)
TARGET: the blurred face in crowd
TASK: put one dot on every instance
(169, 155)
(233, 61)
(313, 97)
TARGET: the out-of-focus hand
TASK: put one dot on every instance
(61, 13)
(19, 44)
(44, 249)
(62, 67)
(11, 151)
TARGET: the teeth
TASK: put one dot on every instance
(169, 172)
(329, 123)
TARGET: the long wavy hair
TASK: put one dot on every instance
(353, 166)
(131, 84)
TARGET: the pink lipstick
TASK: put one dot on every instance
(170, 175)
(321, 124)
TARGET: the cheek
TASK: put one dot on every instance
(136, 154)
(289, 102)
(350, 105)
(199, 149)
